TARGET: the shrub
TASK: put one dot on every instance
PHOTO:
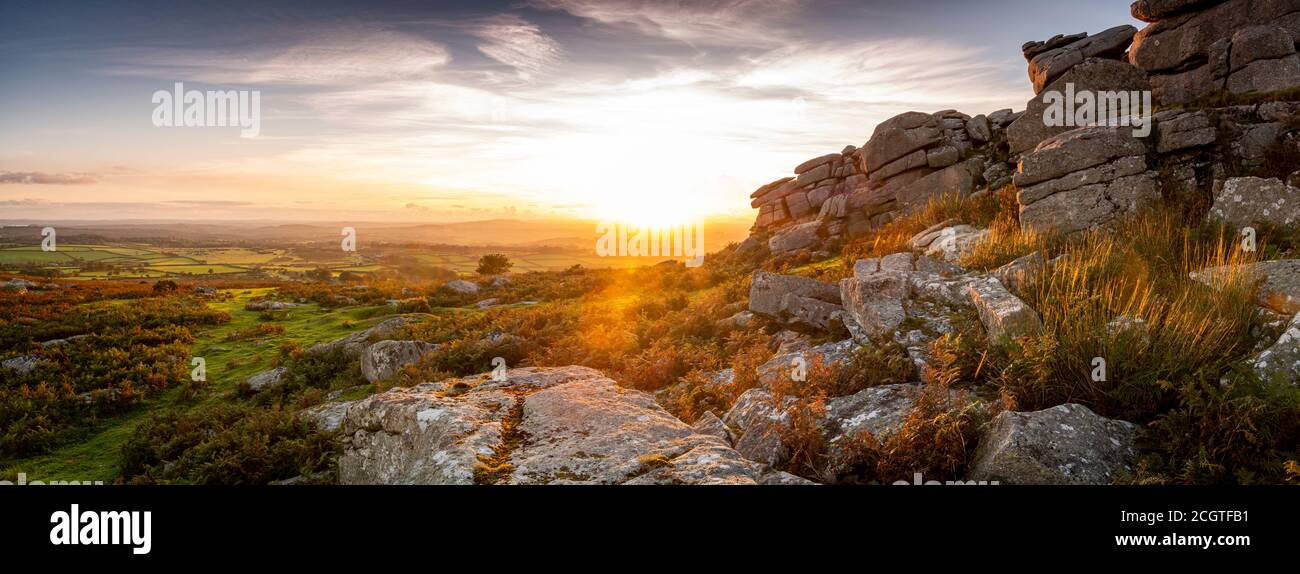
(225, 444)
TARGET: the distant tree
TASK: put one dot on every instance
(164, 286)
(349, 277)
(493, 264)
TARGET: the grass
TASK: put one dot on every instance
(893, 237)
(229, 362)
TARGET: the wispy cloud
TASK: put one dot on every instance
(706, 22)
(517, 43)
(315, 56)
(42, 178)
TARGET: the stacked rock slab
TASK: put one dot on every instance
(1194, 48)
(1082, 179)
(798, 199)
(1049, 60)
(1098, 75)
(909, 159)
(794, 300)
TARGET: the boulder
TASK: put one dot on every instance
(953, 243)
(1246, 201)
(327, 417)
(1082, 179)
(560, 425)
(267, 379)
(897, 137)
(874, 298)
(1034, 48)
(383, 360)
(1200, 48)
(878, 410)
(1279, 282)
(1004, 315)
(768, 291)
(1016, 274)
(1156, 10)
(461, 286)
(795, 237)
(1066, 444)
(816, 162)
(1050, 64)
(1178, 130)
(780, 366)
(979, 129)
(1090, 206)
(1280, 362)
(927, 236)
(20, 365)
(270, 306)
(811, 313)
(1094, 74)
(710, 424)
(352, 345)
(957, 179)
(17, 285)
(1263, 59)
(759, 425)
(761, 191)
(1076, 150)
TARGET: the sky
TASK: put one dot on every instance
(426, 111)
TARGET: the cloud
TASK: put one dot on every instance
(890, 74)
(211, 202)
(42, 178)
(315, 56)
(706, 22)
(517, 43)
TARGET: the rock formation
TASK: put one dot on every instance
(909, 159)
(1199, 47)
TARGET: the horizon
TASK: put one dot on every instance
(543, 110)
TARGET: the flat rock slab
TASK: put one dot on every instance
(1004, 315)
(561, 425)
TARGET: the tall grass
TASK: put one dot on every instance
(978, 211)
(1124, 297)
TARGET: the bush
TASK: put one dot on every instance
(226, 444)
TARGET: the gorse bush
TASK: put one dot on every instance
(226, 444)
(132, 351)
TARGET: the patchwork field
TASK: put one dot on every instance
(90, 262)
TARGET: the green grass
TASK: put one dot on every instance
(228, 364)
